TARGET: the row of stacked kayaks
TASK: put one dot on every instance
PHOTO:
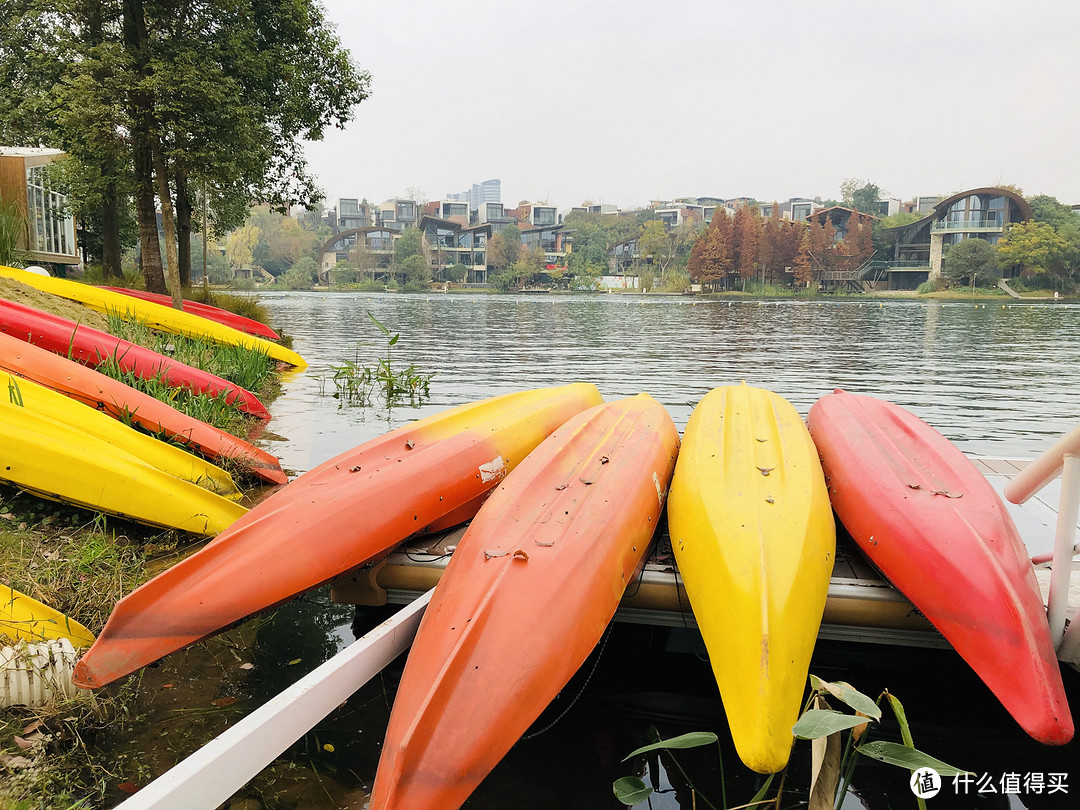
(68, 432)
(565, 493)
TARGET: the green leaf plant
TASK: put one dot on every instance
(833, 759)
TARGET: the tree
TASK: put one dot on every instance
(417, 272)
(658, 244)
(138, 92)
(747, 229)
(240, 246)
(504, 248)
(410, 243)
(1036, 248)
(860, 196)
(457, 273)
(973, 260)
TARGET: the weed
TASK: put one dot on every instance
(356, 382)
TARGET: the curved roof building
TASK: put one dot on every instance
(980, 213)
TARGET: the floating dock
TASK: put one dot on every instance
(861, 605)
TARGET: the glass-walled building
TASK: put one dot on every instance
(919, 248)
(48, 228)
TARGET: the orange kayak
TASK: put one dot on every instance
(123, 402)
(328, 523)
(931, 522)
(524, 600)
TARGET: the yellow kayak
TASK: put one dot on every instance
(754, 538)
(156, 316)
(64, 461)
(168, 458)
(26, 619)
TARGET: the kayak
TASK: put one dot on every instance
(61, 460)
(156, 316)
(328, 523)
(25, 619)
(48, 404)
(927, 518)
(92, 347)
(208, 311)
(525, 598)
(754, 539)
(125, 403)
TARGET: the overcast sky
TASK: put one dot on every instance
(625, 102)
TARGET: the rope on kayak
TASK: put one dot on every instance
(564, 712)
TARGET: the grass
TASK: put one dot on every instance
(244, 367)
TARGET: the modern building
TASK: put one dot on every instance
(840, 218)
(488, 191)
(397, 214)
(795, 208)
(48, 232)
(919, 248)
(352, 213)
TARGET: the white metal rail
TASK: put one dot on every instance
(228, 762)
(1061, 459)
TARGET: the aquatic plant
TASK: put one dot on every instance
(356, 382)
(834, 761)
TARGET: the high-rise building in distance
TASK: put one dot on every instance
(488, 191)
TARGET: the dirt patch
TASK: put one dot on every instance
(28, 296)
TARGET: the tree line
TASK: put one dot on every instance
(202, 103)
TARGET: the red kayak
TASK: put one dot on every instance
(123, 402)
(91, 347)
(933, 525)
(525, 598)
(352, 510)
(212, 313)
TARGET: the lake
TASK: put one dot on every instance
(999, 379)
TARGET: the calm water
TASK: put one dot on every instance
(998, 381)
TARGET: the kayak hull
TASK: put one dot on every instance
(754, 538)
(323, 525)
(156, 316)
(25, 619)
(92, 347)
(62, 461)
(211, 313)
(125, 403)
(933, 525)
(559, 539)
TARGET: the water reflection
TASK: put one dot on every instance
(997, 380)
(993, 379)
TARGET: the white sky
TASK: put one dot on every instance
(626, 101)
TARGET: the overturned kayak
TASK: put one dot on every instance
(329, 522)
(153, 315)
(125, 403)
(93, 347)
(754, 538)
(524, 600)
(933, 525)
(48, 404)
(59, 458)
(25, 619)
(208, 311)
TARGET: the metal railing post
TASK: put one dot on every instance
(1061, 573)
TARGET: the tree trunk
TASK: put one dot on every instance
(110, 233)
(168, 221)
(142, 157)
(183, 227)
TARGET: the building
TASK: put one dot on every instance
(840, 218)
(794, 209)
(351, 213)
(488, 191)
(47, 232)
(919, 247)
(397, 215)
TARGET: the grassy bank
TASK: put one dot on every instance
(81, 563)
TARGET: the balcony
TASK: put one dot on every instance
(969, 225)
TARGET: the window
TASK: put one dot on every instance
(52, 230)
(406, 210)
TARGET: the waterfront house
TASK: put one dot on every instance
(48, 232)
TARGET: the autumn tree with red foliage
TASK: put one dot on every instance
(746, 242)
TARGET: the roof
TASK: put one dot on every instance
(941, 206)
(29, 151)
